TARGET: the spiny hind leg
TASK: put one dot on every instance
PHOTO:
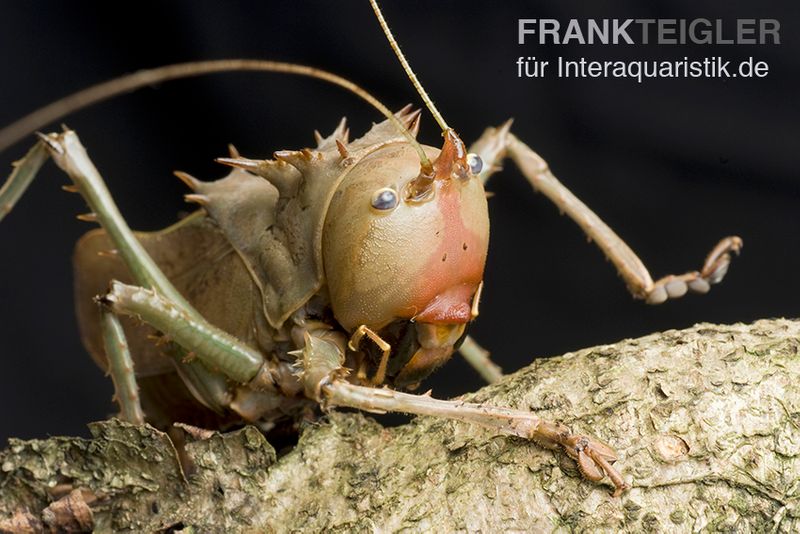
(210, 358)
(215, 348)
(218, 351)
(497, 143)
(324, 380)
(69, 154)
(120, 367)
(24, 172)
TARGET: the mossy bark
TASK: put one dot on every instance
(706, 421)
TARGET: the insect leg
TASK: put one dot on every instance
(214, 347)
(21, 177)
(324, 380)
(478, 358)
(237, 361)
(120, 366)
(70, 155)
(497, 143)
(207, 385)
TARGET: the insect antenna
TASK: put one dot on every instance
(421, 186)
(130, 82)
(406, 67)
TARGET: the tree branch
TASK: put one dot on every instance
(706, 421)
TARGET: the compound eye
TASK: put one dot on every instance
(384, 199)
(475, 163)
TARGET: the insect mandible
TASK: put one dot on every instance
(468, 287)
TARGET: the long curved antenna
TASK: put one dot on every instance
(124, 84)
(406, 67)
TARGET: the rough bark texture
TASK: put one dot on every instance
(706, 421)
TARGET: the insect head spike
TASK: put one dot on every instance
(421, 186)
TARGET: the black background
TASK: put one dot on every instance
(671, 165)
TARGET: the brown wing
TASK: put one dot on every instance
(199, 260)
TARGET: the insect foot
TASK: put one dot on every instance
(498, 143)
(714, 270)
(594, 460)
(324, 379)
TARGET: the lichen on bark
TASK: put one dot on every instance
(706, 422)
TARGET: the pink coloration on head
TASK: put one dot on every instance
(420, 260)
(455, 269)
(451, 307)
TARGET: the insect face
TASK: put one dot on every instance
(401, 246)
